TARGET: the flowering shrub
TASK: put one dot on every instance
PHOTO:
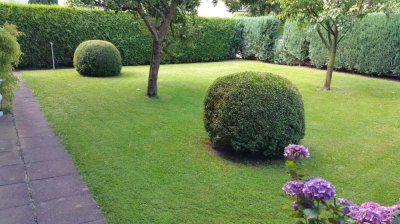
(294, 152)
(315, 198)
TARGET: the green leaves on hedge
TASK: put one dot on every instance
(254, 112)
(371, 47)
(258, 36)
(206, 39)
(9, 56)
(97, 58)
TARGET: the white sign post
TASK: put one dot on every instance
(52, 55)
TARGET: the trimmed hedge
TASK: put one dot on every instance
(97, 58)
(293, 47)
(207, 39)
(371, 47)
(258, 113)
(257, 36)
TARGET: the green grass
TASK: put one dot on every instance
(147, 160)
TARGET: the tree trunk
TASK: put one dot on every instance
(154, 68)
(331, 63)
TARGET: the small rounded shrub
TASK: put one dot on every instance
(257, 113)
(97, 58)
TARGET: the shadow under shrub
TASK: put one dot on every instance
(255, 113)
(97, 58)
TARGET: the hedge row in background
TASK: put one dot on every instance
(207, 39)
(257, 37)
(372, 47)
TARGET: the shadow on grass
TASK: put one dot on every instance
(244, 158)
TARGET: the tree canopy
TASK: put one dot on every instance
(253, 7)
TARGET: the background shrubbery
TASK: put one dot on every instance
(372, 47)
(293, 47)
(207, 39)
(257, 37)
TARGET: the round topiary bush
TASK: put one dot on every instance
(97, 58)
(259, 113)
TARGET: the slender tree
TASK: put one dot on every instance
(158, 15)
(331, 19)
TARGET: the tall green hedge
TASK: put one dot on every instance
(207, 39)
(257, 36)
(293, 47)
(371, 47)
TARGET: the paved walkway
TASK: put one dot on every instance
(38, 181)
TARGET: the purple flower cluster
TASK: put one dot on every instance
(293, 188)
(314, 188)
(294, 152)
(319, 189)
(369, 212)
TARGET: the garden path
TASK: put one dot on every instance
(38, 181)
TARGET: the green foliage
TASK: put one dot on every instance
(45, 2)
(371, 47)
(210, 39)
(254, 112)
(97, 58)
(258, 37)
(254, 7)
(200, 39)
(294, 45)
(9, 56)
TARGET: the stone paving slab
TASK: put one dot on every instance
(29, 131)
(17, 215)
(8, 145)
(12, 174)
(8, 158)
(50, 169)
(40, 142)
(46, 153)
(53, 188)
(76, 209)
(13, 195)
(6, 133)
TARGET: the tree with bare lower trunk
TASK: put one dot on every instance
(331, 19)
(158, 15)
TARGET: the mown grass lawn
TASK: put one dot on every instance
(148, 161)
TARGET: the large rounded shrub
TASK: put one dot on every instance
(258, 113)
(97, 58)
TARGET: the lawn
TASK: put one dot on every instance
(148, 160)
